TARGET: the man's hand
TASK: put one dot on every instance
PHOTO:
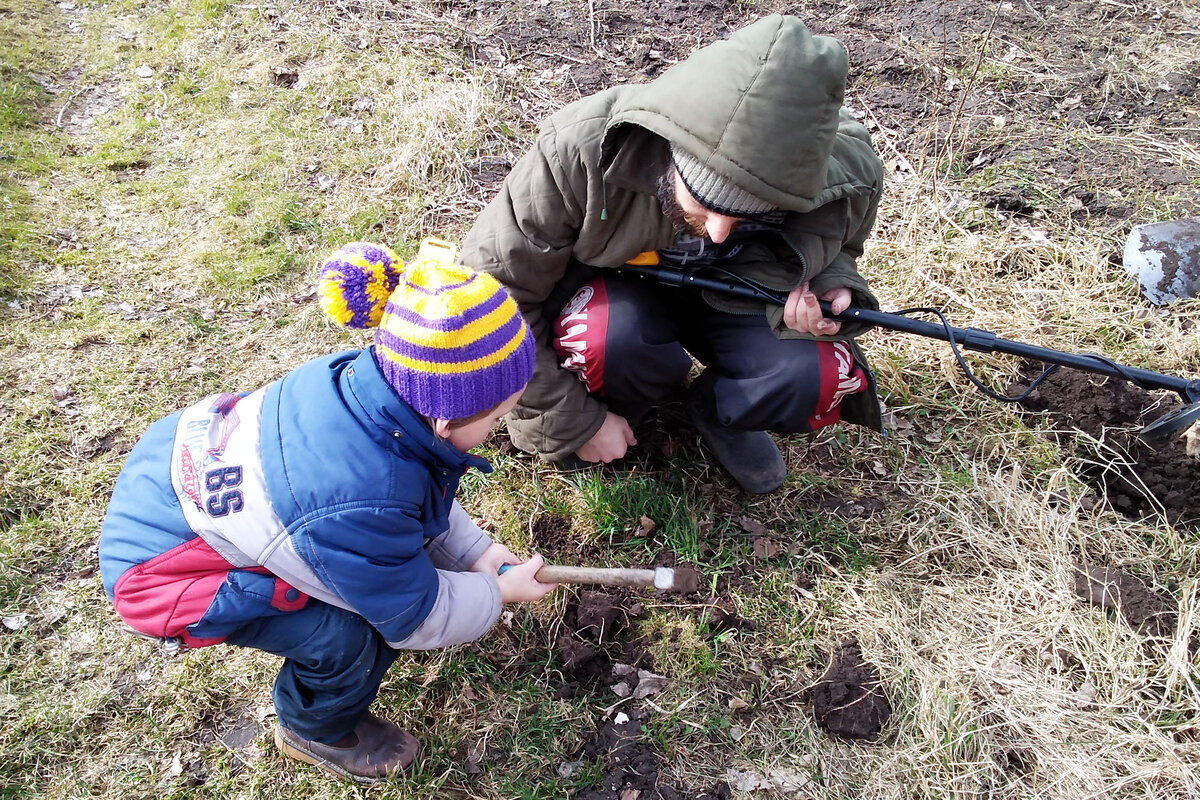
(802, 313)
(493, 558)
(610, 442)
(518, 584)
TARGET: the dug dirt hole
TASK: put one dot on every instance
(632, 767)
(1138, 478)
(593, 639)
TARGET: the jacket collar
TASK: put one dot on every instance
(397, 425)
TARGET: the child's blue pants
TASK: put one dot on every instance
(334, 661)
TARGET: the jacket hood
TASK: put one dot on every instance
(760, 108)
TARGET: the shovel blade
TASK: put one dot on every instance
(1165, 259)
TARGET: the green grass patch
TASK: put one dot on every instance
(617, 502)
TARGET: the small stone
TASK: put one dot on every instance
(15, 622)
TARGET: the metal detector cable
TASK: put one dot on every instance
(1118, 368)
(962, 363)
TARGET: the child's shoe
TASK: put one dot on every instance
(382, 749)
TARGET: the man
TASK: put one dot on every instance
(739, 158)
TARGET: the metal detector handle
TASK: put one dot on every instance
(976, 339)
(971, 338)
(988, 342)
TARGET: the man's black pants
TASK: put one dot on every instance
(629, 340)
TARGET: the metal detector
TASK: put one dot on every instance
(976, 339)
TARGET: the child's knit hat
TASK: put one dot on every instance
(451, 341)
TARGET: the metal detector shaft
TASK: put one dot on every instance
(971, 338)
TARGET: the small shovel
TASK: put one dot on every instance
(1165, 258)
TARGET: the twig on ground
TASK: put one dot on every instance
(67, 102)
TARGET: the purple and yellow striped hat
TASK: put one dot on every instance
(450, 340)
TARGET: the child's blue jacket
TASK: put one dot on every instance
(323, 484)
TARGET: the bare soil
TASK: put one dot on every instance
(1114, 590)
(633, 768)
(1136, 477)
(593, 639)
(595, 654)
(915, 67)
(848, 700)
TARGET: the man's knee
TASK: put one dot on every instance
(579, 334)
(619, 340)
(797, 394)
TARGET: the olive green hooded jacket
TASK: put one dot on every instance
(763, 109)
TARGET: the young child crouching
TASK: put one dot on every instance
(315, 518)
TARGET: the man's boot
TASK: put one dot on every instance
(751, 457)
(375, 749)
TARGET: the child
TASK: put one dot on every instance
(315, 518)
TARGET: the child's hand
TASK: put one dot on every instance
(496, 556)
(518, 584)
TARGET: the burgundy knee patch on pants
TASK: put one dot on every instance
(579, 333)
(840, 376)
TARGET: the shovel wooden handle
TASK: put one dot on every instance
(608, 576)
(669, 579)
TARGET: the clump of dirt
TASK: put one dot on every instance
(550, 533)
(723, 617)
(599, 613)
(685, 579)
(592, 642)
(554, 536)
(1152, 476)
(1011, 202)
(632, 767)
(851, 507)
(1111, 589)
(848, 700)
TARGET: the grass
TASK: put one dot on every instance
(158, 237)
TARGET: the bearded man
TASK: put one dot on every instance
(740, 158)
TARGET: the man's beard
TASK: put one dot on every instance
(681, 222)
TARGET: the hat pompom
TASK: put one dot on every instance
(355, 283)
